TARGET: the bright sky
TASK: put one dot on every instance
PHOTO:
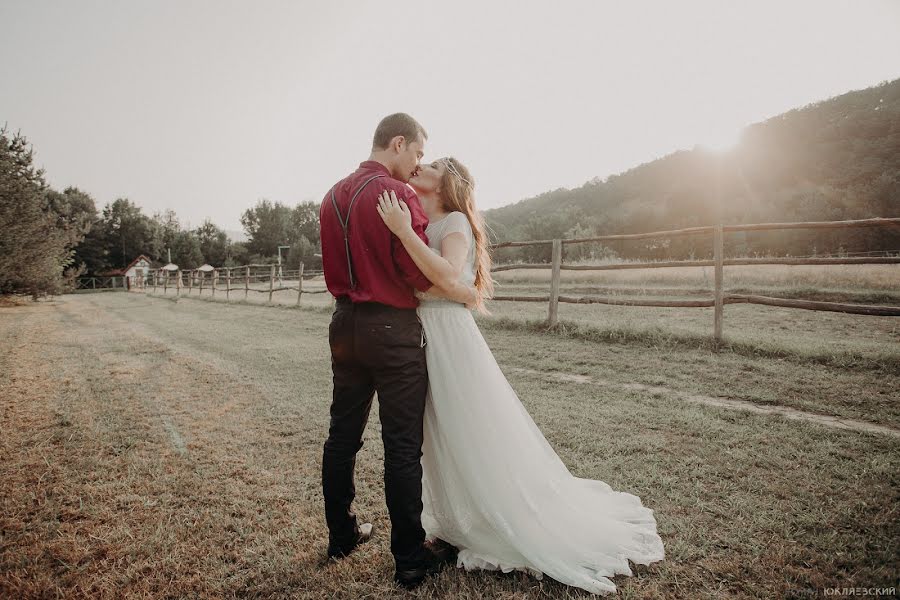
(206, 107)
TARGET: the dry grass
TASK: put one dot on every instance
(154, 448)
(826, 277)
(8, 301)
(829, 338)
(820, 338)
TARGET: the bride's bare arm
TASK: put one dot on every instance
(442, 270)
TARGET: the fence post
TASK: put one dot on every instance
(271, 283)
(178, 283)
(155, 281)
(299, 284)
(227, 284)
(719, 294)
(215, 281)
(246, 281)
(553, 315)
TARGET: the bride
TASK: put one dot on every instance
(492, 485)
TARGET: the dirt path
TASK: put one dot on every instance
(727, 403)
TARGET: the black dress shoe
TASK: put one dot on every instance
(365, 534)
(437, 555)
(443, 551)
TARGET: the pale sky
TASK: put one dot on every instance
(206, 107)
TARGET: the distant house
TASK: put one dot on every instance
(140, 266)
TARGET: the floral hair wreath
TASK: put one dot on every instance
(450, 167)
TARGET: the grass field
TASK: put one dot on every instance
(820, 277)
(834, 338)
(824, 337)
(163, 448)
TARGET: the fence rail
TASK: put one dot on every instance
(728, 262)
(719, 298)
(235, 279)
(878, 222)
(90, 284)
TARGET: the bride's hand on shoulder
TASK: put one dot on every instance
(395, 213)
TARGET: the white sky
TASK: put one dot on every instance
(207, 106)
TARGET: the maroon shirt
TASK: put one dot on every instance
(383, 270)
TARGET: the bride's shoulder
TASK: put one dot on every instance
(457, 217)
(458, 221)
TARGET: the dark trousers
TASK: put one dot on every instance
(377, 348)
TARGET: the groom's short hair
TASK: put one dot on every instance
(397, 124)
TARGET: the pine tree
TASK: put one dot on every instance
(34, 248)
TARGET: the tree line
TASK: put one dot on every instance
(39, 226)
(48, 237)
(121, 232)
(833, 160)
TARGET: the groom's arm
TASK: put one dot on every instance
(407, 266)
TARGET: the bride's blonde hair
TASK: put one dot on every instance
(457, 194)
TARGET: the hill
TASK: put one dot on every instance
(835, 159)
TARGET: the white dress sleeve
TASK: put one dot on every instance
(457, 222)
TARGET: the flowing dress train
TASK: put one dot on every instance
(492, 484)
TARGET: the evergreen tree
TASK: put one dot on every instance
(35, 240)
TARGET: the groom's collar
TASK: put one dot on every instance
(374, 165)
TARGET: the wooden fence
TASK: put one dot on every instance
(239, 279)
(227, 280)
(719, 298)
(90, 284)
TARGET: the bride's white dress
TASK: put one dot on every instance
(492, 485)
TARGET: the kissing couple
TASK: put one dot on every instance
(468, 475)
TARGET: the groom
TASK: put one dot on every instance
(377, 345)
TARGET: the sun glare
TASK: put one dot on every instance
(721, 141)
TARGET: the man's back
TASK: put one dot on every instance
(377, 346)
(383, 271)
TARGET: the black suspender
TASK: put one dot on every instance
(345, 224)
